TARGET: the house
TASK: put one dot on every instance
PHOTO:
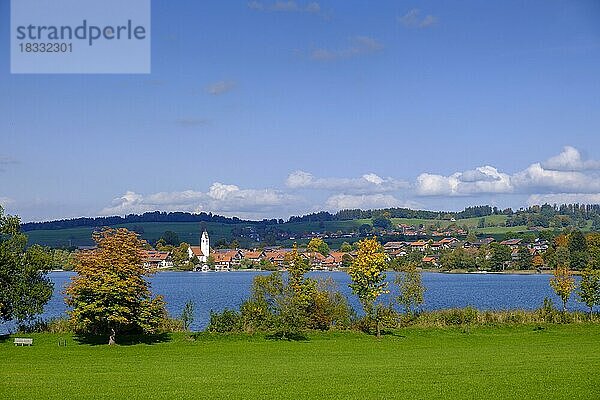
(334, 260)
(479, 243)
(392, 246)
(254, 256)
(157, 259)
(430, 260)
(420, 245)
(226, 259)
(512, 243)
(276, 257)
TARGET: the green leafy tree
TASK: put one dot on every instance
(500, 255)
(592, 241)
(187, 315)
(181, 256)
(382, 222)
(170, 238)
(318, 245)
(525, 258)
(368, 277)
(24, 286)
(110, 293)
(411, 288)
(577, 250)
(563, 284)
(346, 247)
(589, 288)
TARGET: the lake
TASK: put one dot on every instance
(219, 290)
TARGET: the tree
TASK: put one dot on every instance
(411, 288)
(181, 256)
(382, 222)
(297, 266)
(210, 261)
(170, 238)
(24, 286)
(346, 247)
(563, 284)
(187, 315)
(525, 258)
(368, 277)
(110, 293)
(592, 241)
(499, 256)
(589, 288)
(317, 245)
(578, 250)
(471, 237)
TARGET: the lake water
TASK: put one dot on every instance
(219, 290)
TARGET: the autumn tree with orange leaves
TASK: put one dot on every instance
(110, 293)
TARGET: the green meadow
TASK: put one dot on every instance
(190, 231)
(507, 362)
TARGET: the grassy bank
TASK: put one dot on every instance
(527, 361)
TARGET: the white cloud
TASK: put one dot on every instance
(221, 87)
(570, 160)
(564, 198)
(5, 201)
(537, 179)
(365, 201)
(221, 198)
(360, 45)
(484, 179)
(414, 19)
(368, 183)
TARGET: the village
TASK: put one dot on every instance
(425, 252)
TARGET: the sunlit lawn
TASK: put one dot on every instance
(507, 362)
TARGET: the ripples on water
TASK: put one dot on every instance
(219, 290)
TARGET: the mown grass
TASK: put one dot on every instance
(526, 361)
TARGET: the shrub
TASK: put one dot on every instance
(226, 321)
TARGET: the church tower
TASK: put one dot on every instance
(205, 246)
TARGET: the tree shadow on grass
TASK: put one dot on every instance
(123, 340)
(289, 336)
(4, 338)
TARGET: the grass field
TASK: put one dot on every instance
(557, 361)
(190, 231)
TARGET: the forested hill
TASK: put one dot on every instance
(540, 216)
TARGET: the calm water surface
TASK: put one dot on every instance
(219, 290)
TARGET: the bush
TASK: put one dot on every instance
(226, 321)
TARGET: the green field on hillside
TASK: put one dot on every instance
(190, 231)
(521, 362)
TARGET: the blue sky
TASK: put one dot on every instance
(274, 108)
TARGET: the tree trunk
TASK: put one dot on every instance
(378, 328)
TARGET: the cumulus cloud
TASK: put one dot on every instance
(368, 183)
(484, 179)
(220, 198)
(538, 179)
(285, 6)
(359, 45)
(221, 87)
(564, 198)
(414, 19)
(570, 160)
(365, 201)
